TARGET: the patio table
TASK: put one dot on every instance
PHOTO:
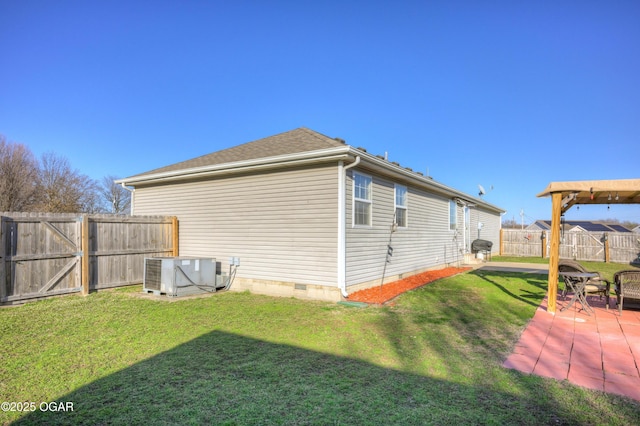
(576, 282)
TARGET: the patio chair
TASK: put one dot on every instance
(627, 286)
(593, 286)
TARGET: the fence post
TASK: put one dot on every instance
(501, 241)
(85, 255)
(543, 238)
(607, 257)
(176, 245)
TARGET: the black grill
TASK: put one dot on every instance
(481, 245)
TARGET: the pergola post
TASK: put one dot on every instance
(564, 195)
(554, 251)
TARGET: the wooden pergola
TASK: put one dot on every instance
(565, 195)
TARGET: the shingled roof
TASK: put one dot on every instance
(291, 142)
(298, 146)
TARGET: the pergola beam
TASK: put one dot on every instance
(565, 195)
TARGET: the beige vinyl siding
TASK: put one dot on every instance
(427, 242)
(282, 225)
(491, 224)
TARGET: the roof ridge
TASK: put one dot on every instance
(316, 133)
(298, 140)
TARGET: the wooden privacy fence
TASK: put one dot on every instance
(45, 254)
(617, 247)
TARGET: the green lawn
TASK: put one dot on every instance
(606, 269)
(433, 357)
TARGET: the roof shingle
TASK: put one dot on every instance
(292, 142)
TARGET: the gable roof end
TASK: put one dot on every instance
(299, 144)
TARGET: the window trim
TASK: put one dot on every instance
(404, 207)
(356, 200)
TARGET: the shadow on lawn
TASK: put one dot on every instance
(456, 318)
(222, 378)
(534, 279)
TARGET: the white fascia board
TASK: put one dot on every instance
(303, 158)
(390, 169)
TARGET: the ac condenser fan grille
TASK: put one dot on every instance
(152, 274)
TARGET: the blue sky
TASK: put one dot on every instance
(506, 94)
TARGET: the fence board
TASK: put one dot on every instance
(39, 255)
(624, 247)
(521, 243)
(43, 254)
(118, 248)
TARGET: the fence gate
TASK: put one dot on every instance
(40, 256)
(582, 245)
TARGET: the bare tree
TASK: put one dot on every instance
(18, 174)
(117, 198)
(64, 190)
(511, 223)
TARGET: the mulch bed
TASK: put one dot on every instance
(384, 293)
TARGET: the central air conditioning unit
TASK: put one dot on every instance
(181, 276)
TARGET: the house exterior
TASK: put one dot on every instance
(579, 225)
(312, 217)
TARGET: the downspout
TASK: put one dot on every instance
(342, 229)
(133, 192)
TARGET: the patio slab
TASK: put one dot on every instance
(599, 351)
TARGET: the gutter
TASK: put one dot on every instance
(342, 227)
(303, 158)
(388, 168)
(341, 153)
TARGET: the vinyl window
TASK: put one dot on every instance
(401, 205)
(362, 203)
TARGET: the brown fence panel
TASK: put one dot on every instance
(118, 246)
(582, 246)
(42, 255)
(624, 247)
(521, 243)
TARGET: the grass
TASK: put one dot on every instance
(537, 260)
(606, 269)
(433, 357)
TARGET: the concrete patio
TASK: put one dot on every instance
(599, 351)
